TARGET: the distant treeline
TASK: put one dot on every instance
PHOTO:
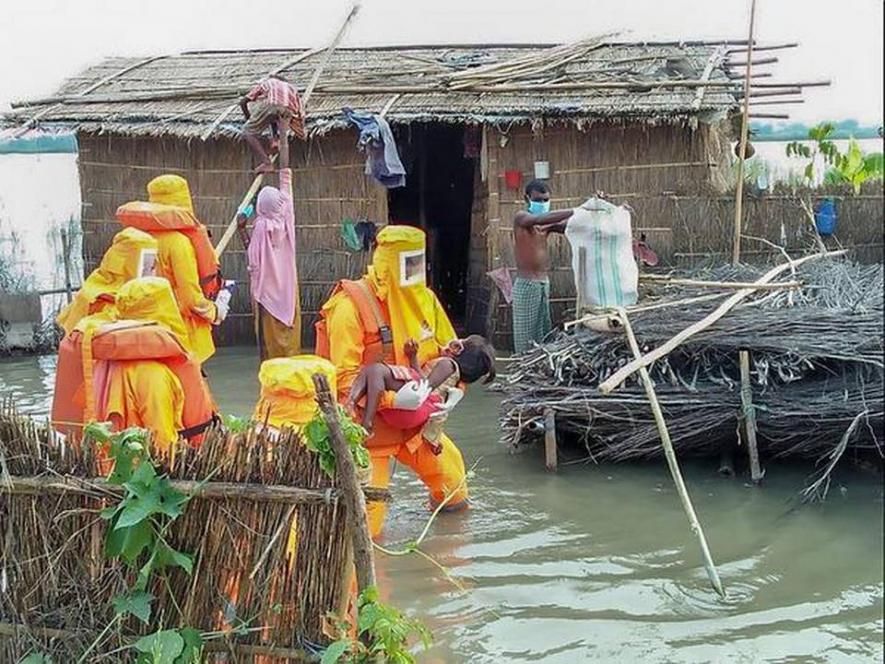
(797, 131)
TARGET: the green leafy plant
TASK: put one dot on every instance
(36, 658)
(384, 634)
(237, 424)
(851, 167)
(137, 535)
(317, 439)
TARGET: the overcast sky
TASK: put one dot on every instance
(47, 40)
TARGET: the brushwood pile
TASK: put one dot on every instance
(816, 357)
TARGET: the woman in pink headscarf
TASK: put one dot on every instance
(272, 271)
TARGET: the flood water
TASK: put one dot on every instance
(597, 564)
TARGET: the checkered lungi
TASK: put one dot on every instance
(531, 312)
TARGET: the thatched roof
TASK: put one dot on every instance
(185, 94)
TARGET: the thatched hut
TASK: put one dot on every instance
(647, 123)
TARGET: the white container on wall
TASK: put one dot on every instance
(542, 170)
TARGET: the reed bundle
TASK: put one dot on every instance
(817, 365)
(275, 564)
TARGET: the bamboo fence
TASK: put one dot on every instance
(264, 524)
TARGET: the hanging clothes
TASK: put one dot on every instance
(348, 234)
(366, 231)
(376, 140)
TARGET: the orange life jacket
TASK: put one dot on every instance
(156, 217)
(378, 337)
(128, 340)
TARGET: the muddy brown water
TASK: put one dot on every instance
(597, 564)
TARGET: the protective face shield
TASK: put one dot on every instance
(398, 277)
(127, 258)
(171, 190)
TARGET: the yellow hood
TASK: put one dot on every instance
(151, 299)
(131, 251)
(398, 276)
(288, 397)
(170, 190)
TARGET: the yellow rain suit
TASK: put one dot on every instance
(177, 261)
(130, 366)
(132, 254)
(288, 397)
(395, 285)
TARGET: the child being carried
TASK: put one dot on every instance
(462, 361)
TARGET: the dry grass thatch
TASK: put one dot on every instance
(53, 575)
(185, 94)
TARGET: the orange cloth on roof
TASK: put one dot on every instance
(129, 252)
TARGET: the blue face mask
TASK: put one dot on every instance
(539, 207)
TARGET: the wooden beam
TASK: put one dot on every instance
(99, 487)
(348, 483)
(742, 147)
(714, 59)
(550, 451)
(749, 413)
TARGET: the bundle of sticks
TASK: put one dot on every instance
(817, 369)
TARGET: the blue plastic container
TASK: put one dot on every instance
(825, 217)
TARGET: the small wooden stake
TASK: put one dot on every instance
(756, 472)
(670, 455)
(550, 458)
(66, 257)
(582, 280)
(349, 483)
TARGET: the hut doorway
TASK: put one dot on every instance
(438, 197)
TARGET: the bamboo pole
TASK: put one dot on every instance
(632, 367)
(742, 153)
(256, 183)
(66, 257)
(697, 283)
(349, 485)
(550, 455)
(756, 473)
(670, 455)
(99, 487)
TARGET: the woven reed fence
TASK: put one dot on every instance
(248, 494)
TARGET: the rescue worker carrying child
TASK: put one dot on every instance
(185, 257)
(130, 366)
(369, 321)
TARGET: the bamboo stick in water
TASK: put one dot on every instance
(670, 455)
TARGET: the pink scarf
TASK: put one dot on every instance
(272, 251)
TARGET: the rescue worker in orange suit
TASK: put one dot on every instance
(130, 367)
(369, 321)
(185, 257)
(132, 254)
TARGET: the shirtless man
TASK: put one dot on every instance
(531, 290)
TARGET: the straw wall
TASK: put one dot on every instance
(329, 186)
